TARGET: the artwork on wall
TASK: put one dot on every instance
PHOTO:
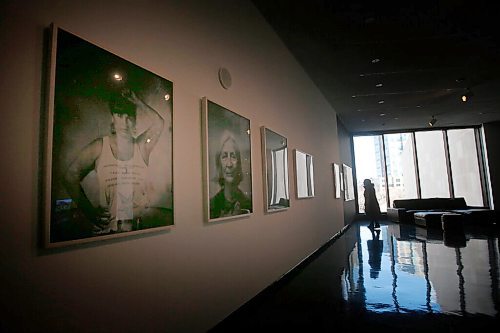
(275, 171)
(304, 173)
(108, 152)
(227, 163)
(337, 181)
(349, 183)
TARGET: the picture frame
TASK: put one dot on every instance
(275, 171)
(348, 183)
(304, 175)
(227, 163)
(337, 180)
(108, 165)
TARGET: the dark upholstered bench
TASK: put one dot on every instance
(453, 230)
(429, 219)
(452, 222)
(477, 215)
(403, 211)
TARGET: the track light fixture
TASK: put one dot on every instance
(433, 121)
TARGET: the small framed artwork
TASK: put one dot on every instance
(275, 171)
(227, 163)
(337, 181)
(108, 151)
(304, 173)
(349, 183)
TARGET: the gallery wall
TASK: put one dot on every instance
(188, 278)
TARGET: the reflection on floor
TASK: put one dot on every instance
(399, 277)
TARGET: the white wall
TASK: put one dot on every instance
(190, 278)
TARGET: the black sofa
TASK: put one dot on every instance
(403, 210)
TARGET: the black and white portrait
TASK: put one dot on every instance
(228, 159)
(111, 144)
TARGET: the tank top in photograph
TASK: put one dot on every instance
(122, 184)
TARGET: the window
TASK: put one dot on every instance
(369, 165)
(400, 160)
(423, 164)
(432, 164)
(465, 166)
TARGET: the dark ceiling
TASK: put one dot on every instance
(386, 65)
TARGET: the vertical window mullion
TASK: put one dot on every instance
(448, 163)
(355, 176)
(415, 161)
(482, 167)
(384, 160)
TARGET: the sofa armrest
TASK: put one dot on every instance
(396, 214)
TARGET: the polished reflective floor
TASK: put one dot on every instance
(399, 277)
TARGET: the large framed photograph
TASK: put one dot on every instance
(108, 152)
(227, 163)
(275, 171)
(337, 181)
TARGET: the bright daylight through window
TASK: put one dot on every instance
(422, 164)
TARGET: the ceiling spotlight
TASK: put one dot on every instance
(381, 101)
(117, 77)
(468, 94)
(374, 61)
(433, 121)
(378, 85)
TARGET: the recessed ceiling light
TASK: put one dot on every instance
(395, 118)
(353, 96)
(374, 61)
(382, 114)
(418, 106)
(361, 75)
(363, 120)
(381, 101)
(378, 85)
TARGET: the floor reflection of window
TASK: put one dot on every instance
(400, 283)
(477, 280)
(421, 276)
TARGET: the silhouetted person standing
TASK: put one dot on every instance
(372, 209)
